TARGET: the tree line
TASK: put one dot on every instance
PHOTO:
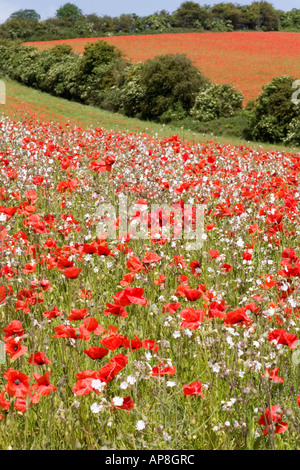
(70, 22)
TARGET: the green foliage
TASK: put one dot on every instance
(98, 54)
(224, 126)
(69, 11)
(25, 15)
(169, 79)
(273, 111)
(290, 20)
(293, 132)
(101, 68)
(215, 101)
(229, 14)
(62, 78)
(133, 91)
(174, 113)
(190, 15)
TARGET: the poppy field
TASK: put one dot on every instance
(223, 57)
(140, 342)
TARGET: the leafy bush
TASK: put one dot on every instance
(273, 111)
(101, 68)
(62, 78)
(48, 59)
(215, 101)
(174, 113)
(166, 80)
(293, 132)
(19, 63)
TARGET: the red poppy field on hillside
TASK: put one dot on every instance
(247, 60)
(119, 331)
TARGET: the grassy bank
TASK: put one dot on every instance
(23, 103)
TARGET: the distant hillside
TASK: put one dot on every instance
(247, 60)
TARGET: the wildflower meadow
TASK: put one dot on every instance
(122, 329)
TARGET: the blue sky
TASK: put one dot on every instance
(116, 7)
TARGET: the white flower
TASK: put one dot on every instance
(118, 401)
(188, 333)
(170, 383)
(95, 408)
(140, 425)
(131, 379)
(98, 385)
(240, 243)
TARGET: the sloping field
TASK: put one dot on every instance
(246, 60)
(140, 338)
(27, 104)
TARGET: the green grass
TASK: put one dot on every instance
(23, 102)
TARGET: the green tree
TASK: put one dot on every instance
(228, 12)
(216, 101)
(166, 80)
(101, 67)
(69, 11)
(273, 111)
(262, 15)
(290, 19)
(190, 15)
(25, 15)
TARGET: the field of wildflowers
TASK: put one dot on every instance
(140, 342)
(246, 60)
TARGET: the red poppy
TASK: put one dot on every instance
(117, 310)
(111, 369)
(171, 308)
(4, 404)
(150, 344)
(237, 317)
(130, 295)
(96, 353)
(127, 404)
(151, 258)
(14, 328)
(282, 337)
(191, 318)
(54, 313)
(134, 264)
(14, 348)
(71, 273)
(196, 268)
(43, 385)
(39, 359)
(195, 388)
(163, 369)
(78, 314)
(112, 342)
(17, 383)
(91, 325)
(132, 344)
(273, 417)
(273, 375)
